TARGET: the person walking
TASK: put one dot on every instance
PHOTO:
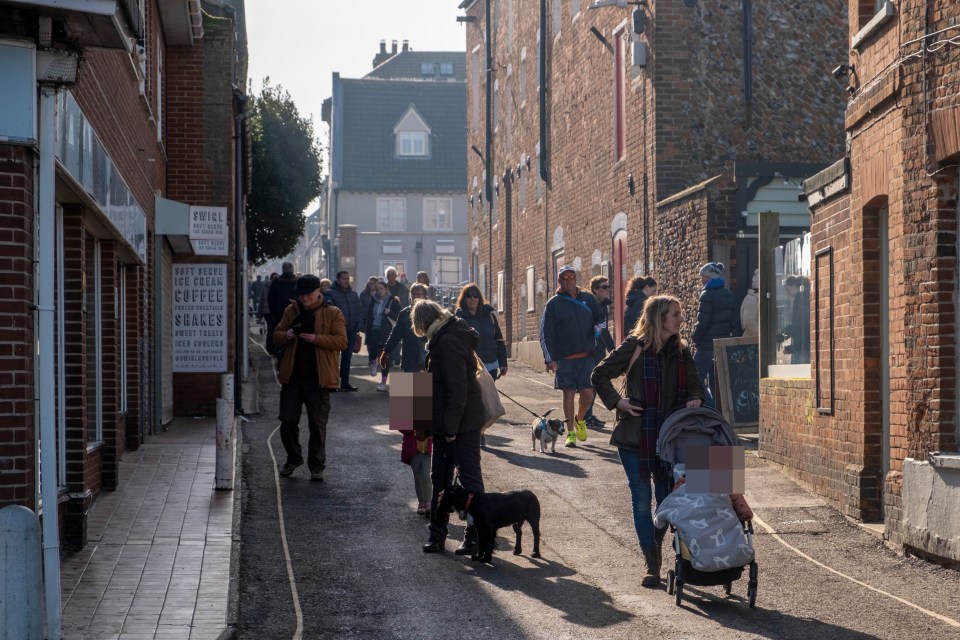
(569, 330)
(367, 294)
(400, 292)
(263, 314)
(424, 278)
(282, 292)
(382, 313)
(600, 288)
(312, 333)
(660, 376)
(482, 318)
(718, 316)
(639, 288)
(343, 297)
(750, 308)
(457, 414)
(415, 447)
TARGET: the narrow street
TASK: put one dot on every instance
(358, 572)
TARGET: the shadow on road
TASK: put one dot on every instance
(560, 463)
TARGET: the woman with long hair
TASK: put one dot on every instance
(660, 377)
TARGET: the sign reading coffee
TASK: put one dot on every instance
(199, 318)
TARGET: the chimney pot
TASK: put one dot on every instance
(383, 46)
(394, 47)
(406, 45)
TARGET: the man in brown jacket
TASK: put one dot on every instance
(312, 334)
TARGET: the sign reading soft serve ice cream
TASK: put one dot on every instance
(199, 317)
(209, 231)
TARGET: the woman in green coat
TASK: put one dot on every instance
(661, 376)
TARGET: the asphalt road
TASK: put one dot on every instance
(354, 541)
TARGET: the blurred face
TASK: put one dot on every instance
(650, 291)
(344, 280)
(382, 290)
(417, 295)
(791, 290)
(310, 298)
(568, 282)
(472, 300)
(603, 291)
(422, 278)
(704, 279)
(672, 321)
(391, 276)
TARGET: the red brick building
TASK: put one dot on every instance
(123, 147)
(644, 145)
(874, 429)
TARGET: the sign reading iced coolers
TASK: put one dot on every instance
(209, 231)
(199, 317)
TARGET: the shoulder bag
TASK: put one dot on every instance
(492, 407)
(626, 431)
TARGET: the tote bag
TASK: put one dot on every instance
(492, 407)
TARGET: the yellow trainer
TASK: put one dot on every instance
(581, 430)
(571, 440)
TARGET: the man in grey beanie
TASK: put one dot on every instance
(718, 316)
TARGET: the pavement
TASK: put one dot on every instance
(158, 560)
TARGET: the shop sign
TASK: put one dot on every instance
(199, 318)
(209, 232)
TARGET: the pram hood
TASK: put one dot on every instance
(697, 426)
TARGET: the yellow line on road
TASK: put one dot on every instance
(776, 536)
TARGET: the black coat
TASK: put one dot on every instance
(283, 291)
(631, 314)
(348, 302)
(718, 315)
(492, 348)
(412, 345)
(457, 400)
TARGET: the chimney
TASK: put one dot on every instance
(406, 45)
(383, 46)
(383, 56)
(394, 42)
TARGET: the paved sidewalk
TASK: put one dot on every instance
(157, 562)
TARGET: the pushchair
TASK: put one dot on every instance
(712, 545)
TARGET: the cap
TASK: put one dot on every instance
(712, 269)
(565, 269)
(307, 284)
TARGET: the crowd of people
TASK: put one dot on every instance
(314, 327)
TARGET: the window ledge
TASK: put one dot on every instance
(886, 12)
(944, 460)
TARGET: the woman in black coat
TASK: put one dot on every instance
(483, 319)
(457, 413)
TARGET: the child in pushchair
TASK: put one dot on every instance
(711, 521)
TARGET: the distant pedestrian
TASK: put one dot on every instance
(457, 414)
(400, 292)
(750, 308)
(256, 287)
(797, 288)
(424, 278)
(381, 315)
(324, 285)
(718, 316)
(600, 288)
(569, 330)
(313, 333)
(282, 291)
(343, 297)
(365, 295)
(639, 288)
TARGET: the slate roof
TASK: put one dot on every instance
(408, 65)
(372, 108)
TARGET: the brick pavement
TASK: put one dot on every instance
(157, 562)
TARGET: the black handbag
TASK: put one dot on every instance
(627, 430)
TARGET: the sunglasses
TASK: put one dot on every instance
(568, 277)
(471, 294)
(604, 286)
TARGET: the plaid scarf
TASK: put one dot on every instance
(651, 418)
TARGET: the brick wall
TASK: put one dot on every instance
(18, 455)
(686, 121)
(200, 148)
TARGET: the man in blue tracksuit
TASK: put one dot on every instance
(569, 330)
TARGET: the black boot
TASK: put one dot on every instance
(469, 546)
(652, 577)
(433, 546)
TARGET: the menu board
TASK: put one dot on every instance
(199, 317)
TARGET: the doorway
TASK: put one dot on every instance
(619, 283)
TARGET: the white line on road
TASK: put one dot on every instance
(548, 386)
(776, 536)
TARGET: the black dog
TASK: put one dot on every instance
(491, 511)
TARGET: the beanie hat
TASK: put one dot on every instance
(565, 269)
(307, 284)
(712, 269)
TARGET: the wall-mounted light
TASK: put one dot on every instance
(471, 202)
(631, 185)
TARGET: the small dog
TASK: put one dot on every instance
(490, 512)
(546, 431)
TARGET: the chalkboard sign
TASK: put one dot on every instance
(738, 380)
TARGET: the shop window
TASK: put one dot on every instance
(791, 322)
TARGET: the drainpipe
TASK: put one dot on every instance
(240, 350)
(488, 146)
(46, 229)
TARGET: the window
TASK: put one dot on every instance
(531, 284)
(92, 310)
(427, 68)
(446, 270)
(391, 214)
(522, 182)
(437, 214)
(412, 143)
(557, 17)
(498, 301)
(446, 68)
(475, 90)
(159, 92)
(523, 76)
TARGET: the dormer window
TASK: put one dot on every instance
(412, 135)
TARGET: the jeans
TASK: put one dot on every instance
(293, 396)
(639, 482)
(345, 356)
(463, 454)
(421, 476)
(703, 358)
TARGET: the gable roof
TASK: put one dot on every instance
(408, 65)
(371, 108)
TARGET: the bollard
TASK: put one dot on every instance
(226, 449)
(21, 599)
(226, 386)
(249, 394)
